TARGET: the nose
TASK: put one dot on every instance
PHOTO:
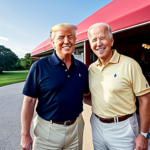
(99, 42)
(66, 40)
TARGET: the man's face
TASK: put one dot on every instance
(100, 42)
(64, 42)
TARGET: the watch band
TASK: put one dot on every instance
(146, 135)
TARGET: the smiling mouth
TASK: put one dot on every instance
(101, 49)
(66, 47)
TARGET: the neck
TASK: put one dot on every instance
(64, 58)
(104, 61)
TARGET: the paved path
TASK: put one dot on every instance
(10, 113)
(87, 136)
(10, 108)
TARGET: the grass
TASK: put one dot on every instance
(9, 77)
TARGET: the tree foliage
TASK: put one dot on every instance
(17, 65)
(7, 58)
(26, 62)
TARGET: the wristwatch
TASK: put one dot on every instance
(146, 135)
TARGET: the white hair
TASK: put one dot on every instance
(97, 25)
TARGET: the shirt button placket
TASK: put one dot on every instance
(67, 73)
(66, 70)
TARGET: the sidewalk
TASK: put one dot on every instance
(87, 136)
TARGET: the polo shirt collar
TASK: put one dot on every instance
(55, 59)
(114, 60)
(74, 61)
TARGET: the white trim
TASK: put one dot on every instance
(42, 52)
(51, 44)
(79, 42)
(41, 47)
(82, 41)
(135, 26)
(86, 40)
(53, 48)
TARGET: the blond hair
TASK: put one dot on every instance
(63, 26)
(97, 25)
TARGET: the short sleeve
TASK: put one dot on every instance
(31, 86)
(138, 81)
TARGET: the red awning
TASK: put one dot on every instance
(119, 14)
(35, 57)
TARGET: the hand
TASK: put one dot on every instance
(26, 142)
(141, 143)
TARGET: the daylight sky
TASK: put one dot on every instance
(24, 24)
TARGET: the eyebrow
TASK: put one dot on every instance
(64, 35)
(100, 37)
(94, 38)
(61, 36)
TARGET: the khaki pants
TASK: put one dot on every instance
(48, 136)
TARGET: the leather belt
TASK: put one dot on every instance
(65, 123)
(115, 119)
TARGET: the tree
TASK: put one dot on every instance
(26, 62)
(17, 65)
(7, 58)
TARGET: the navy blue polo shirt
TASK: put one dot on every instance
(59, 90)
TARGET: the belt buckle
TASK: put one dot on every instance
(116, 119)
(66, 122)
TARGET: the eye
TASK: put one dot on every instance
(103, 38)
(94, 40)
(70, 37)
(60, 38)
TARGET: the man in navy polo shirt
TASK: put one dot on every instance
(58, 82)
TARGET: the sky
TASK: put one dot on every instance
(24, 24)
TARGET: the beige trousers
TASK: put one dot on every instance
(48, 136)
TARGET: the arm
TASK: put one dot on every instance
(87, 99)
(141, 143)
(144, 110)
(26, 118)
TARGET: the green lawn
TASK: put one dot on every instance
(9, 77)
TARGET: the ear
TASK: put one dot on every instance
(112, 41)
(52, 42)
(75, 40)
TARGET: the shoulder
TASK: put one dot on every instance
(39, 64)
(128, 60)
(92, 66)
(78, 62)
(41, 61)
